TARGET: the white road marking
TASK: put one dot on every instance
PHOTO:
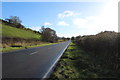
(33, 53)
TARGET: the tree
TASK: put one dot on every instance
(68, 38)
(15, 21)
(48, 34)
(72, 38)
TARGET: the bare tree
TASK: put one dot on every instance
(15, 21)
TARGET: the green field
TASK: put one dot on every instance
(11, 32)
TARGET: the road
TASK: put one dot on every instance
(32, 63)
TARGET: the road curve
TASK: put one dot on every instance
(32, 63)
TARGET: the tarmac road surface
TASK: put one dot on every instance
(33, 62)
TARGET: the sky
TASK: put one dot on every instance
(66, 18)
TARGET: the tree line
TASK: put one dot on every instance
(104, 48)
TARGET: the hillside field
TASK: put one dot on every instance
(11, 32)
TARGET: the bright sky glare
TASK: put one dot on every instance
(66, 18)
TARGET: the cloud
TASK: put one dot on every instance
(62, 23)
(67, 13)
(63, 35)
(37, 28)
(79, 22)
(67, 34)
(47, 24)
(92, 17)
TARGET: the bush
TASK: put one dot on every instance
(104, 48)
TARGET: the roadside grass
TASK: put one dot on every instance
(12, 32)
(74, 64)
(7, 49)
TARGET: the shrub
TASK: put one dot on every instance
(104, 48)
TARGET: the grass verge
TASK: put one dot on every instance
(74, 63)
(7, 49)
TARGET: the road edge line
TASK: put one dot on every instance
(49, 70)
